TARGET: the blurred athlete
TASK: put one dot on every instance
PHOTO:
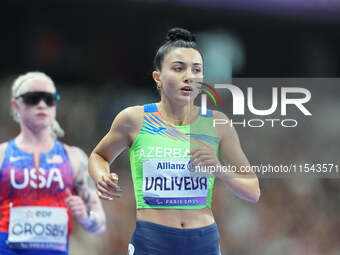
(167, 140)
(42, 181)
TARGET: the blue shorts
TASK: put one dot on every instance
(154, 239)
(5, 250)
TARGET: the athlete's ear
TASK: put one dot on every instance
(155, 76)
(14, 104)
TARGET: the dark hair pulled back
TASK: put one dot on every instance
(175, 38)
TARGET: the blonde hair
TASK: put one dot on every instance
(56, 130)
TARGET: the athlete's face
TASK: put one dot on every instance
(37, 116)
(182, 69)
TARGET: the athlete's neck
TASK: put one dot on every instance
(177, 114)
(34, 141)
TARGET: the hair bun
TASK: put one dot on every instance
(176, 34)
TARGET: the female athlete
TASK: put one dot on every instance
(166, 140)
(42, 181)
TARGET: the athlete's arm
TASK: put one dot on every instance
(244, 184)
(124, 130)
(85, 204)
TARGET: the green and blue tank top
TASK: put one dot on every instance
(160, 164)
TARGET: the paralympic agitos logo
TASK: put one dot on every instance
(288, 97)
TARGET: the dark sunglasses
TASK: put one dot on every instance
(33, 98)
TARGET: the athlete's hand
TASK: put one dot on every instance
(107, 187)
(76, 205)
(203, 156)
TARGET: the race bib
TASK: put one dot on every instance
(169, 182)
(38, 227)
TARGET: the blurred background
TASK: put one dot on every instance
(100, 53)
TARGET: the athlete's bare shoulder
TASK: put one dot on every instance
(132, 115)
(77, 157)
(219, 114)
(73, 151)
(129, 122)
(222, 124)
(3, 147)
